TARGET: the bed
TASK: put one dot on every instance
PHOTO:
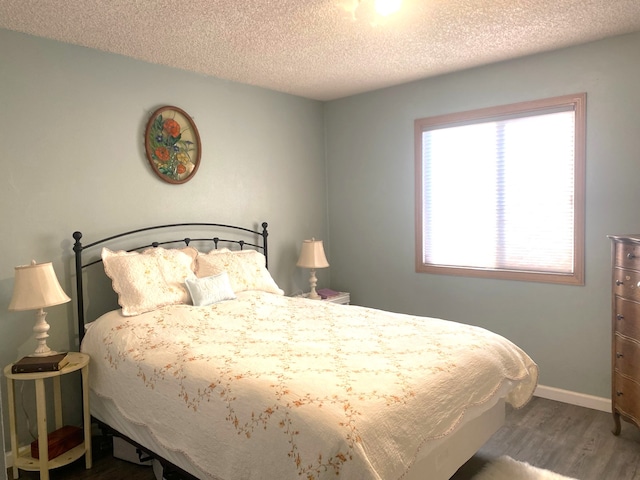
(206, 365)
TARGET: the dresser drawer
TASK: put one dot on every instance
(627, 255)
(626, 393)
(626, 283)
(627, 318)
(627, 357)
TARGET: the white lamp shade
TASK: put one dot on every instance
(36, 286)
(312, 255)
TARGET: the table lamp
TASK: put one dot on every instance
(312, 256)
(36, 287)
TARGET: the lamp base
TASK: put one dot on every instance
(313, 281)
(44, 354)
(41, 329)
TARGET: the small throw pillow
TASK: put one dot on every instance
(210, 290)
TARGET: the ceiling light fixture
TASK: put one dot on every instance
(387, 7)
(374, 12)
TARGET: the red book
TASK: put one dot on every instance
(59, 441)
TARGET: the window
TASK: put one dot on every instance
(500, 192)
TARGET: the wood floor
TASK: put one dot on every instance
(569, 440)
(573, 441)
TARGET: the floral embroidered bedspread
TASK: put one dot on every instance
(272, 387)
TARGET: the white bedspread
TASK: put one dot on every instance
(272, 387)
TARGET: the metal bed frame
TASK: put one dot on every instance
(256, 239)
(78, 248)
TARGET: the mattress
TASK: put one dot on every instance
(267, 386)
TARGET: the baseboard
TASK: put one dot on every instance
(574, 398)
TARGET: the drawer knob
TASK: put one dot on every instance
(630, 256)
(619, 355)
(620, 316)
(619, 282)
(619, 393)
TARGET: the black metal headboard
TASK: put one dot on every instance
(249, 235)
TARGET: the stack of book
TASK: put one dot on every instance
(327, 293)
(52, 363)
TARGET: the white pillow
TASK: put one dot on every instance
(216, 250)
(191, 251)
(210, 290)
(146, 281)
(246, 270)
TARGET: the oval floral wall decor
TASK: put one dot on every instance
(172, 144)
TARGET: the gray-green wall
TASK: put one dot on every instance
(370, 157)
(71, 124)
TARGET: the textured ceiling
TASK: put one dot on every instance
(321, 49)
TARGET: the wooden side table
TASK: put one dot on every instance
(77, 361)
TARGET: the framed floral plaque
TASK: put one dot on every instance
(172, 144)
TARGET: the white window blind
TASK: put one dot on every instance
(499, 193)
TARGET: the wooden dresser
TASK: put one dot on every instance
(625, 328)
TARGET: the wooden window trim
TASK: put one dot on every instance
(575, 101)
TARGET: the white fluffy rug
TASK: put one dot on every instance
(506, 468)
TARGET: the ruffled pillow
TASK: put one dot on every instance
(146, 281)
(246, 270)
(191, 251)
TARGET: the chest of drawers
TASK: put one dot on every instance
(625, 330)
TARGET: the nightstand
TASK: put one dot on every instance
(343, 298)
(24, 460)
